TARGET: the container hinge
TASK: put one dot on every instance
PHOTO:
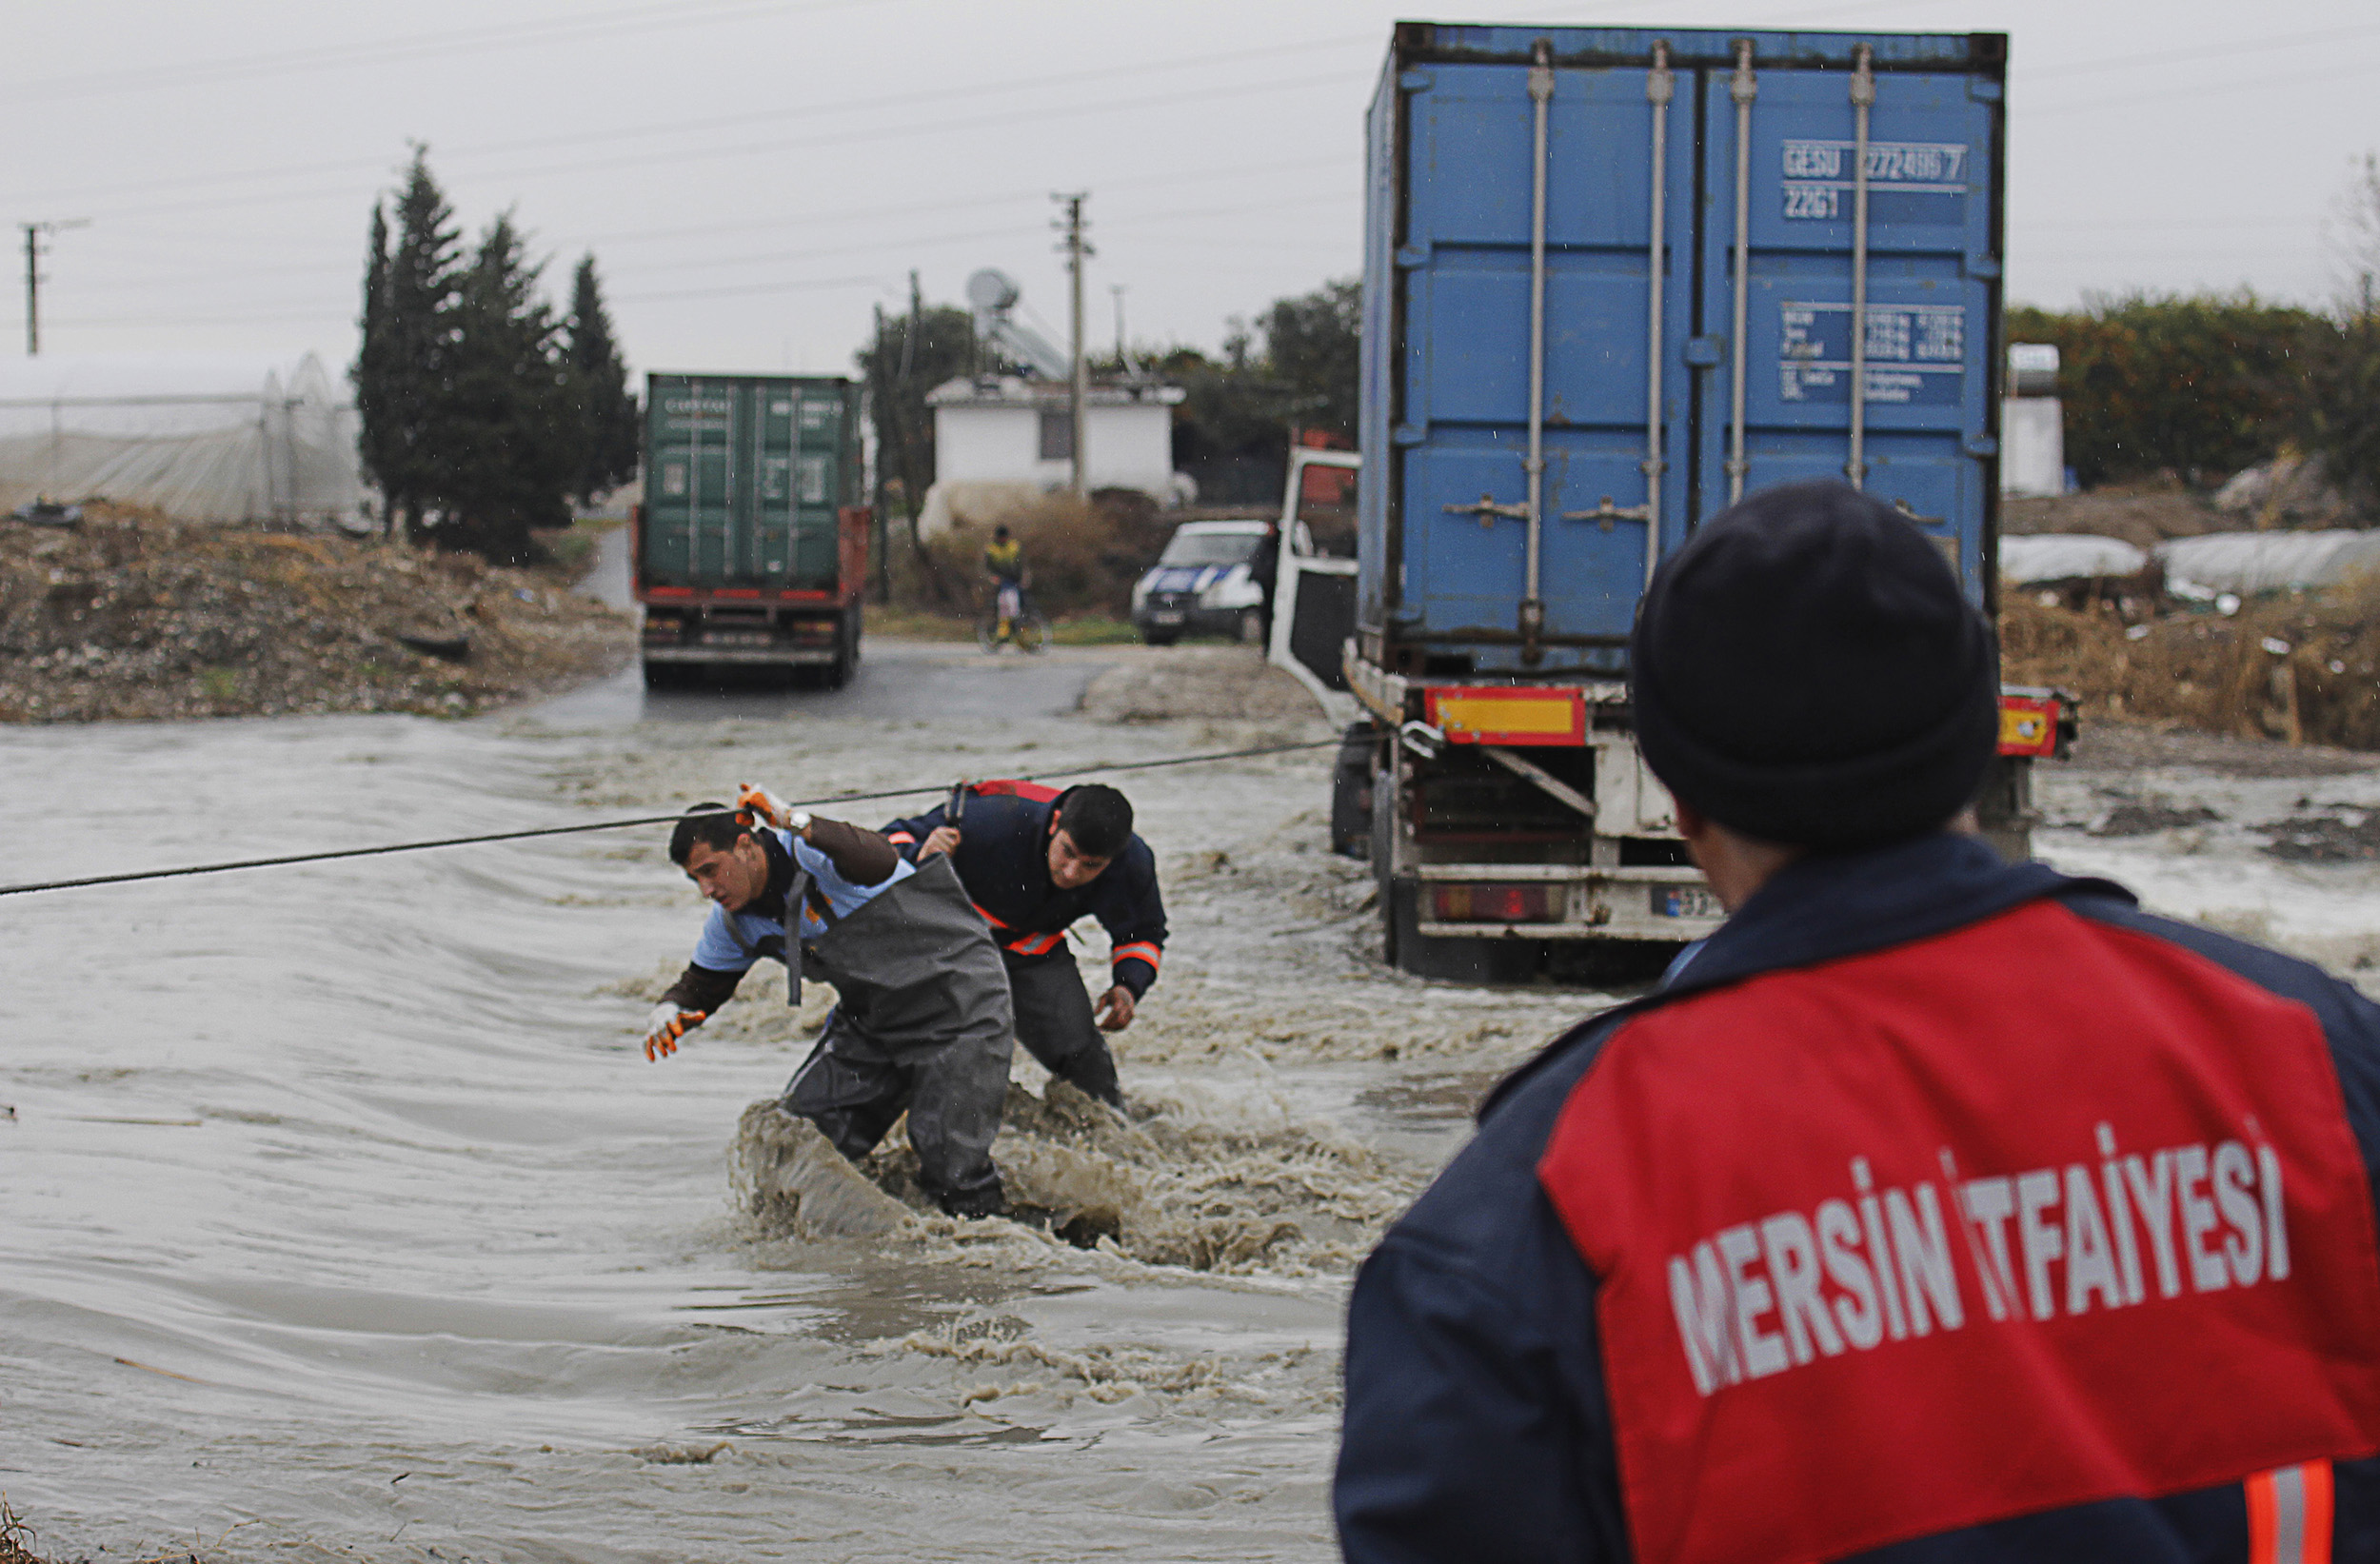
(1411, 257)
(1980, 445)
(1415, 80)
(1981, 265)
(1706, 352)
(1982, 90)
(1409, 434)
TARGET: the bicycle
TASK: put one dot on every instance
(1012, 620)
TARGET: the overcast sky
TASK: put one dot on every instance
(754, 176)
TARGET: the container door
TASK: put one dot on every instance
(1462, 441)
(687, 514)
(820, 427)
(1932, 295)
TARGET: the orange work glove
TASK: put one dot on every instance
(758, 801)
(666, 1025)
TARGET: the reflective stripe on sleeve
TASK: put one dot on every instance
(903, 838)
(987, 916)
(1035, 945)
(1139, 950)
(2289, 1514)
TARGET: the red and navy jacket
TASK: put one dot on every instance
(1938, 1211)
(1004, 862)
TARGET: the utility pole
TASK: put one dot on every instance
(34, 235)
(1117, 289)
(1077, 250)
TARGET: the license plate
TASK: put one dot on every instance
(1166, 616)
(1684, 901)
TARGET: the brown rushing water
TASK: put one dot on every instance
(341, 1215)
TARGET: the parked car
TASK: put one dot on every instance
(1202, 585)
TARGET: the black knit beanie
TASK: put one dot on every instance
(1805, 671)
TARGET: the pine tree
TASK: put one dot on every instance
(509, 446)
(602, 407)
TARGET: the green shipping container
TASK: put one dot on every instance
(744, 477)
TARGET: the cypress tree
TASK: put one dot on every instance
(602, 407)
(377, 448)
(408, 327)
(510, 445)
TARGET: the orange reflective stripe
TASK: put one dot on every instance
(1139, 950)
(2289, 1514)
(987, 916)
(903, 838)
(1034, 944)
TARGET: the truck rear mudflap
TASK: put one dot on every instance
(1556, 901)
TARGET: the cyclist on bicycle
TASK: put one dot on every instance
(1004, 561)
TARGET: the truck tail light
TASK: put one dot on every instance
(1460, 903)
(2035, 722)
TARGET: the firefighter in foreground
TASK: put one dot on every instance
(1035, 858)
(1938, 1209)
(922, 1021)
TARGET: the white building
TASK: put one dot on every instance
(999, 440)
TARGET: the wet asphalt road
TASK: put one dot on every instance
(925, 680)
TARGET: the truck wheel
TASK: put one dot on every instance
(1351, 791)
(1466, 961)
(1159, 638)
(661, 676)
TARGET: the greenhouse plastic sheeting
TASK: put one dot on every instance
(2266, 562)
(202, 438)
(2066, 556)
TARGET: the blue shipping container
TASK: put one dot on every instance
(1640, 211)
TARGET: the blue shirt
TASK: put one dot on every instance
(718, 950)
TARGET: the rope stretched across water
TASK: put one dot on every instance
(386, 848)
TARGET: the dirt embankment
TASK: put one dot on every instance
(134, 616)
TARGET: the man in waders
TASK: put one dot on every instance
(922, 1021)
(1033, 860)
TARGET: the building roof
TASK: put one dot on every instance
(1016, 391)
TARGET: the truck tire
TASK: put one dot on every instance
(1351, 791)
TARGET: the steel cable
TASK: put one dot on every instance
(385, 848)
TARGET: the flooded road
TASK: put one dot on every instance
(341, 1215)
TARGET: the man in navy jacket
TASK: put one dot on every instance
(1938, 1210)
(1035, 858)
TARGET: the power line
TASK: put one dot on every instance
(382, 850)
(835, 109)
(676, 15)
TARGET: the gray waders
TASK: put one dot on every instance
(1055, 1023)
(923, 1024)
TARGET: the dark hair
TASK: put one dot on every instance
(1098, 818)
(712, 824)
(1001, 532)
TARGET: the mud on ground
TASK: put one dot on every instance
(131, 615)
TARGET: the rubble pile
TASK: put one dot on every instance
(2300, 666)
(132, 615)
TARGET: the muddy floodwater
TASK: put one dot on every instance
(341, 1215)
